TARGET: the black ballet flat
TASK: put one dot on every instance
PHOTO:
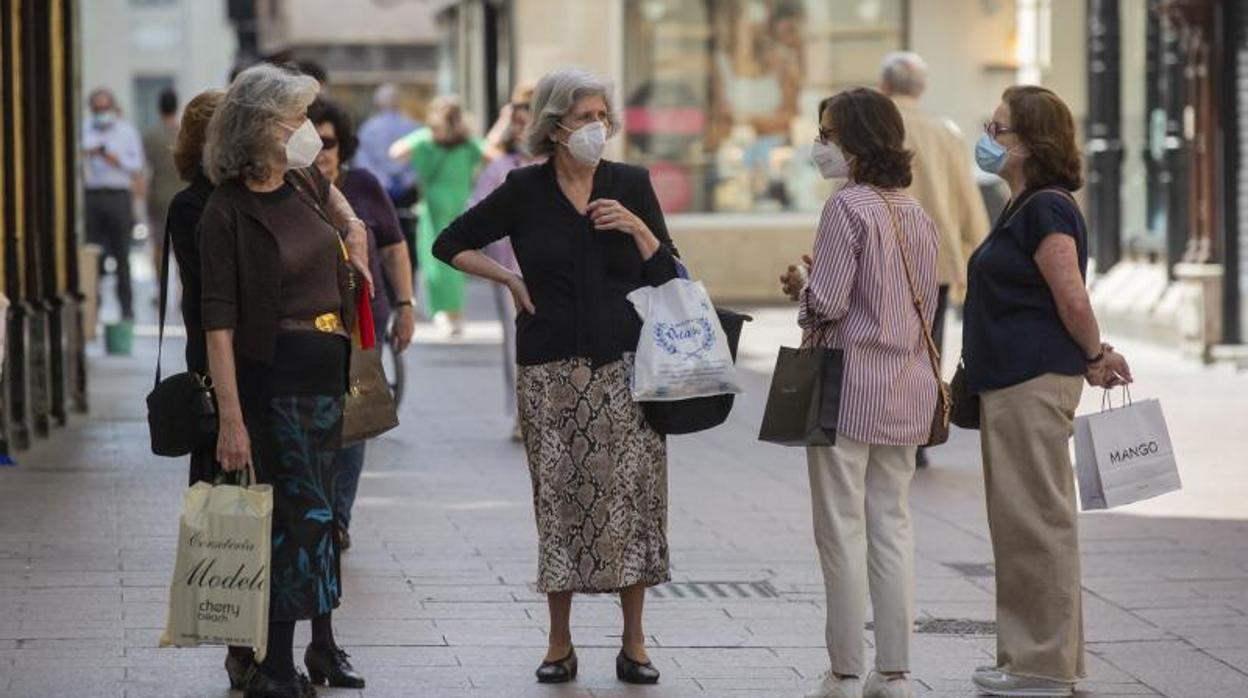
(332, 666)
(559, 671)
(239, 671)
(629, 670)
(262, 686)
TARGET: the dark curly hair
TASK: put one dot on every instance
(868, 128)
(1045, 126)
(323, 110)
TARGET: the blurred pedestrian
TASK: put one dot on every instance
(158, 142)
(943, 183)
(387, 255)
(275, 315)
(874, 251)
(445, 157)
(516, 116)
(1029, 340)
(112, 154)
(378, 132)
(586, 232)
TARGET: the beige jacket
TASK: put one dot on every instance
(945, 188)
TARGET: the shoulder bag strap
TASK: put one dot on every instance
(933, 353)
(1034, 194)
(164, 296)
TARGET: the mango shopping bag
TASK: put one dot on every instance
(1124, 455)
(220, 589)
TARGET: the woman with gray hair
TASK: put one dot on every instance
(585, 232)
(276, 305)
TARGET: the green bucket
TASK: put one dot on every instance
(119, 338)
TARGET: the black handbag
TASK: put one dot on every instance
(181, 409)
(804, 402)
(965, 411)
(699, 413)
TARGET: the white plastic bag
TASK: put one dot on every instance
(683, 352)
(1124, 455)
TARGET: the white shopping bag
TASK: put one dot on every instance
(1124, 455)
(220, 589)
(683, 352)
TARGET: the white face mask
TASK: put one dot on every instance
(303, 146)
(587, 142)
(830, 160)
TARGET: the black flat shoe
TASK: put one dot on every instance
(239, 670)
(332, 666)
(559, 671)
(630, 671)
(261, 686)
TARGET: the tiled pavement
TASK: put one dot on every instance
(438, 597)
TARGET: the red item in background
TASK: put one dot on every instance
(364, 317)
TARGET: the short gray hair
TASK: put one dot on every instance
(555, 95)
(240, 136)
(904, 73)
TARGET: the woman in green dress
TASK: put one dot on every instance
(446, 158)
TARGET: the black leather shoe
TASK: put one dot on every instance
(261, 686)
(559, 671)
(239, 670)
(332, 666)
(631, 671)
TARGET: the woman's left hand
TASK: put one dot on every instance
(609, 214)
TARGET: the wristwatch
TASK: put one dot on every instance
(406, 303)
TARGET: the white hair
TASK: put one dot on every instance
(904, 73)
(240, 140)
(555, 95)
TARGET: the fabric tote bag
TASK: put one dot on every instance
(220, 589)
(805, 397)
(1124, 455)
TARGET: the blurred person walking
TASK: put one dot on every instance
(943, 184)
(1029, 341)
(163, 178)
(586, 232)
(874, 260)
(112, 154)
(377, 133)
(388, 259)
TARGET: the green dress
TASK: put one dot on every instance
(446, 179)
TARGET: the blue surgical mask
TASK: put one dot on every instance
(990, 155)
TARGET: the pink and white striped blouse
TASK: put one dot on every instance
(857, 300)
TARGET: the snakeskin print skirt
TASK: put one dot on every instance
(599, 478)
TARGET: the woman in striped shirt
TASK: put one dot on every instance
(854, 296)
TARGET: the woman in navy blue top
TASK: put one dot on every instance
(1030, 339)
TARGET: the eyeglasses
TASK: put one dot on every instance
(329, 142)
(994, 129)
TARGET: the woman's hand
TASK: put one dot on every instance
(794, 279)
(233, 444)
(520, 295)
(403, 328)
(609, 214)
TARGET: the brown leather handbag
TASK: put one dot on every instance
(939, 432)
(369, 409)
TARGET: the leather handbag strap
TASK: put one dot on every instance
(1053, 190)
(164, 297)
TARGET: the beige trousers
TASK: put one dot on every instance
(861, 499)
(1030, 489)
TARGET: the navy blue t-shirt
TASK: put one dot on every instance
(1011, 331)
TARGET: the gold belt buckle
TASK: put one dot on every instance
(327, 322)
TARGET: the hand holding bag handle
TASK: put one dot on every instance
(940, 420)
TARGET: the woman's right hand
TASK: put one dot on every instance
(520, 295)
(233, 445)
(794, 279)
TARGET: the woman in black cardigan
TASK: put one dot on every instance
(585, 232)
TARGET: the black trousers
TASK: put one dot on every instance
(110, 221)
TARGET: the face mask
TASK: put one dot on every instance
(587, 142)
(830, 160)
(990, 155)
(303, 146)
(104, 119)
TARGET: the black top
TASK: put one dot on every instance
(577, 276)
(1011, 331)
(185, 209)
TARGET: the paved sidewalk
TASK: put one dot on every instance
(438, 600)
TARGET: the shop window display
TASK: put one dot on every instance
(720, 94)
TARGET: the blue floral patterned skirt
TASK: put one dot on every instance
(293, 411)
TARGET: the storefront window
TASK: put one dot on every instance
(720, 95)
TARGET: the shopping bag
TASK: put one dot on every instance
(683, 351)
(220, 589)
(1124, 455)
(698, 413)
(805, 397)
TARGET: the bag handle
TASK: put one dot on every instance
(164, 298)
(933, 353)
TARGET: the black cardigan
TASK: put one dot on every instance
(185, 210)
(577, 276)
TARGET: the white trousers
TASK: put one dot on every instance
(861, 499)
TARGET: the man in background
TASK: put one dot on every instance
(158, 146)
